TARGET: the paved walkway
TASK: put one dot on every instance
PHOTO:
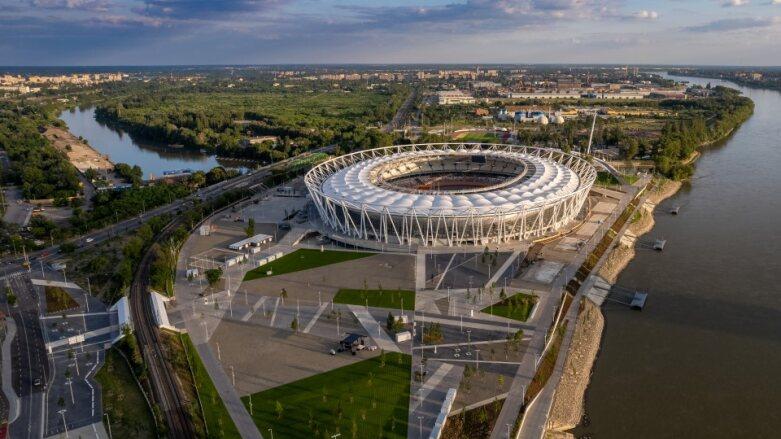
(425, 403)
(420, 271)
(242, 419)
(7, 373)
(504, 267)
(54, 283)
(251, 312)
(96, 431)
(312, 322)
(435, 379)
(536, 416)
(455, 345)
(473, 324)
(374, 329)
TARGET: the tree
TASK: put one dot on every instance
(250, 230)
(294, 324)
(213, 275)
(283, 295)
(10, 297)
(278, 409)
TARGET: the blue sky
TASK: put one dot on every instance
(149, 32)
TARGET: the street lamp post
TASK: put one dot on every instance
(64, 424)
(108, 424)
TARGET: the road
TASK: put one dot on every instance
(401, 114)
(16, 210)
(204, 194)
(30, 362)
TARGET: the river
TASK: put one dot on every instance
(153, 158)
(703, 358)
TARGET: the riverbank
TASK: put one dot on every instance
(81, 155)
(641, 224)
(568, 405)
(567, 409)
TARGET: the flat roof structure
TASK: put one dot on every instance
(216, 257)
(256, 240)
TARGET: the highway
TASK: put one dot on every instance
(166, 391)
(205, 194)
(30, 363)
(401, 115)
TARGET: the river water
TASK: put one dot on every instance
(704, 358)
(154, 158)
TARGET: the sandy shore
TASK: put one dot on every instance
(79, 153)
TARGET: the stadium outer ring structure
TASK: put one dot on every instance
(376, 212)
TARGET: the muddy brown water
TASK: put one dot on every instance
(704, 358)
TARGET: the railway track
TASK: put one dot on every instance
(166, 392)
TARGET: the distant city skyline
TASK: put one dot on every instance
(166, 32)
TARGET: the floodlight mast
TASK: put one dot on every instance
(591, 134)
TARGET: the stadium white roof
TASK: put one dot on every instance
(547, 181)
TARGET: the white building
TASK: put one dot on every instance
(254, 241)
(450, 97)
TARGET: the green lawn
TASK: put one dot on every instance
(377, 298)
(516, 307)
(606, 179)
(479, 137)
(304, 259)
(218, 421)
(362, 400)
(123, 400)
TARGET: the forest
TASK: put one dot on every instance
(222, 119)
(700, 121)
(35, 165)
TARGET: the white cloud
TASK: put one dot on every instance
(731, 3)
(647, 15)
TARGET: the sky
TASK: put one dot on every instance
(167, 32)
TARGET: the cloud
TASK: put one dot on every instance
(81, 5)
(734, 3)
(646, 15)
(204, 9)
(480, 15)
(731, 24)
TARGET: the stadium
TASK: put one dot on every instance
(449, 193)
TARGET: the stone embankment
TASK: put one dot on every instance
(624, 252)
(567, 409)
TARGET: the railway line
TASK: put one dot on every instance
(165, 388)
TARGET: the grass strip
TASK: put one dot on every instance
(369, 398)
(303, 259)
